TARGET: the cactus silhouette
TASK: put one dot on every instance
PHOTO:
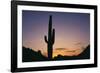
(51, 38)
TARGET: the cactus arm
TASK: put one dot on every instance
(53, 36)
(45, 38)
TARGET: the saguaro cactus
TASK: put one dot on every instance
(51, 38)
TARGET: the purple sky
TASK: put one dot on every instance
(72, 30)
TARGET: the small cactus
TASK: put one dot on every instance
(51, 38)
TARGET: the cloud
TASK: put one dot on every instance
(60, 49)
(79, 43)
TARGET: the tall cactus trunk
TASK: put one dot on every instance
(51, 38)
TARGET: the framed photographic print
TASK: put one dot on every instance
(50, 36)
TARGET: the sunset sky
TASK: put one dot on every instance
(72, 31)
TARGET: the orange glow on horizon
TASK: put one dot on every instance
(65, 52)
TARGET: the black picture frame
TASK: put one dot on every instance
(14, 58)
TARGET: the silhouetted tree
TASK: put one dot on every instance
(28, 55)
